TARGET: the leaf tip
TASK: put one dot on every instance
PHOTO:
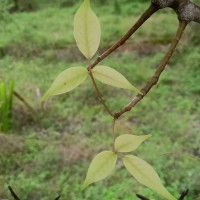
(45, 97)
(148, 136)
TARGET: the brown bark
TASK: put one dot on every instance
(185, 9)
(186, 12)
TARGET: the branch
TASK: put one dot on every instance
(185, 9)
(99, 93)
(23, 100)
(183, 195)
(13, 193)
(188, 11)
(57, 198)
(141, 197)
(151, 10)
(156, 76)
(140, 21)
(17, 198)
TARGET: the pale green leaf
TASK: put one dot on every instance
(100, 167)
(112, 77)
(87, 30)
(146, 175)
(128, 143)
(66, 81)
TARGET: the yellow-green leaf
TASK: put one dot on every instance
(66, 81)
(112, 77)
(87, 30)
(100, 167)
(128, 143)
(146, 175)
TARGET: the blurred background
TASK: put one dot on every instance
(46, 150)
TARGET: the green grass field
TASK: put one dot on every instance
(48, 152)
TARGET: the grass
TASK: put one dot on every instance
(6, 98)
(43, 158)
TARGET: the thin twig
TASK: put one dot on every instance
(98, 92)
(23, 100)
(17, 198)
(142, 197)
(13, 193)
(156, 76)
(113, 133)
(57, 198)
(151, 10)
(140, 21)
(184, 194)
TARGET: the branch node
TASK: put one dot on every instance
(159, 4)
(154, 80)
(98, 58)
(185, 9)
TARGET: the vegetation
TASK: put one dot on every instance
(6, 98)
(49, 156)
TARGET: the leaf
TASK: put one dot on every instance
(100, 167)
(66, 81)
(146, 175)
(87, 30)
(128, 143)
(112, 77)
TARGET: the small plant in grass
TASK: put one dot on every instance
(6, 99)
(87, 32)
